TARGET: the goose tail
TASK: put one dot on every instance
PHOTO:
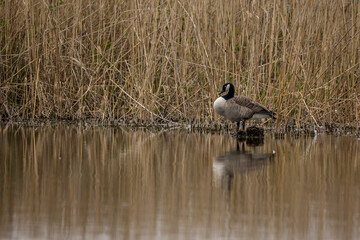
(272, 115)
(264, 114)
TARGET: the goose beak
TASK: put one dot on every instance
(221, 92)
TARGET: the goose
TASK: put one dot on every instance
(239, 108)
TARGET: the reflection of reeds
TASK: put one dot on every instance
(127, 184)
(165, 60)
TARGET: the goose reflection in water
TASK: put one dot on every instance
(238, 161)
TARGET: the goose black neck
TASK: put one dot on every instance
(231, 93)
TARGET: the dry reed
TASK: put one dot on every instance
(120, 60)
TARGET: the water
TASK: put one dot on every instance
(68, 182)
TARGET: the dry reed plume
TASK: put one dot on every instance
(165, 61)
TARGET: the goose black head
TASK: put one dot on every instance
(229, 88)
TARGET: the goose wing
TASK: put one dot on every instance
(251, 105)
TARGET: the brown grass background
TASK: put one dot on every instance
(165, 60)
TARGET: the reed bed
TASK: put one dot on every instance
(165, 61)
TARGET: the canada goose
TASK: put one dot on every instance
(239, 108)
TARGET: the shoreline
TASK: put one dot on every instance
(223, 127)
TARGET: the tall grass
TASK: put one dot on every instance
(166, 60)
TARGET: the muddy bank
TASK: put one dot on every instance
(223, 127)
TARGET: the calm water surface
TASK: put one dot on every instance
(68, 182)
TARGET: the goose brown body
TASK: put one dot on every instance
(239, 108)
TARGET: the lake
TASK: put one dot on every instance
(71, 182)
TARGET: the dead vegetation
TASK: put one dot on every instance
(165, 61)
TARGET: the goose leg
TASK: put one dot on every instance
(243, 125)
(237, 130)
